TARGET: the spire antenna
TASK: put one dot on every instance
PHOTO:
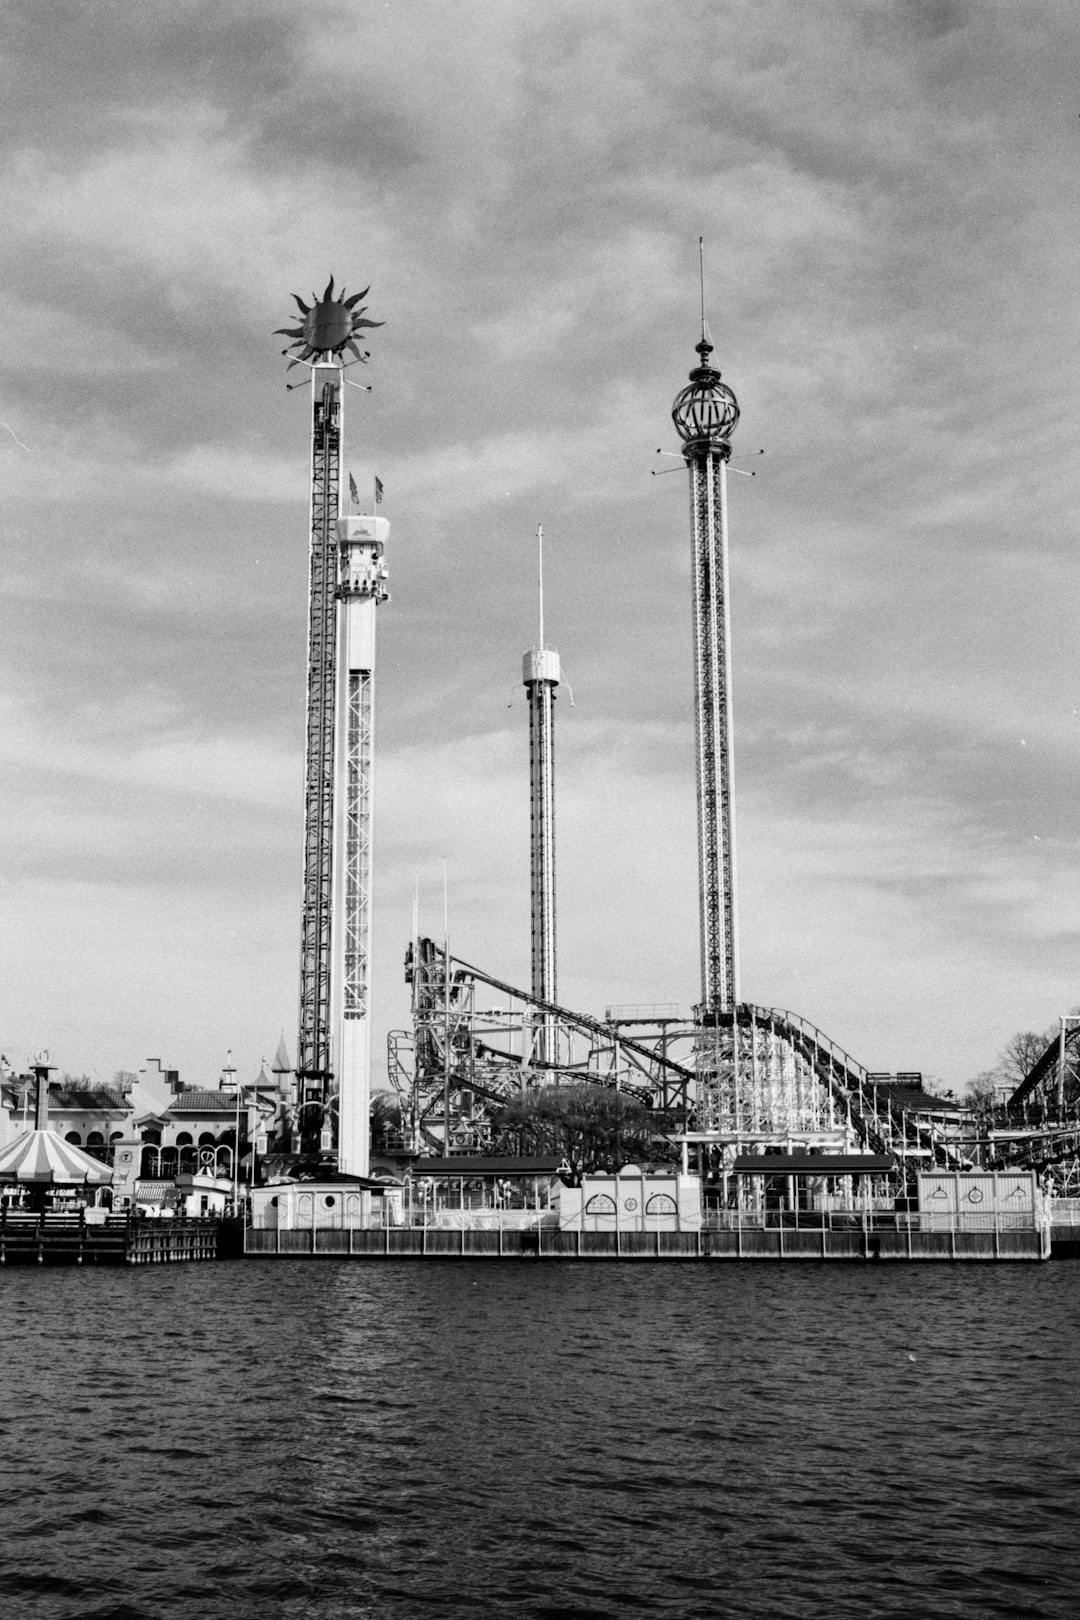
(701, 279)
(540, 577)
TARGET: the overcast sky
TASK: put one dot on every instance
(888, 194)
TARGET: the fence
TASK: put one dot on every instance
(778, 1236)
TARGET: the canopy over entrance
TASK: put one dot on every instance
(479, 1166)
(813, 1164)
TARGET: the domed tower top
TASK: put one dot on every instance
(706, 412)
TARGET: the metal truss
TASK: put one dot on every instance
(1038, 1127)
(760, 1077)
(313, 1066)
(541, 698)
(467, 1054)
(357, 843)
(712, 715)
(767, 1077)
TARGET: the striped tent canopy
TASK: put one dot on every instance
(43, 1157)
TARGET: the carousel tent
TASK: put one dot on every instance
(42, 1157)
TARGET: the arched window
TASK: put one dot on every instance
(207, 1139)
(184, 1139)
(600, 1204)
(661, 1204)
(95, 1139)
(74, 1138)
(169, 1160)
(117, 1136)
(150, 1165)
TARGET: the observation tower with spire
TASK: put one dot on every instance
(705, 414)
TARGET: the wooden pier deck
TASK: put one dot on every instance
(120, 1240)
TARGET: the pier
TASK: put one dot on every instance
(48, 1239)
(872, 1239)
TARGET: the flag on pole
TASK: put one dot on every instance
(378, 491)
(353, 495)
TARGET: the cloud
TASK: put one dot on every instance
(888, 277)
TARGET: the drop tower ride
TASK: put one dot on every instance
(705, 414)
(346, 584)
(540, 674)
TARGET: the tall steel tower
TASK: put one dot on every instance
(328, 331)
(540, 673)
(705, 414)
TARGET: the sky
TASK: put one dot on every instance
(888, 196)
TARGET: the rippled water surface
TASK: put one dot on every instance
(379, 1439)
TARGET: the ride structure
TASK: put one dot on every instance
(541, 673)
(347, 582)
(749, 1092)
(1037, 1126)
(705, 414)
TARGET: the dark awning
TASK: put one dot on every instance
(473, 1165)
(813, 1164)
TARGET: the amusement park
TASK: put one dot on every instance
(511, 1125)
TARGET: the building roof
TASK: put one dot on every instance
(336, 1180)
(203, 1102)
(813, 1164)
(472, 1165)
(918, 1101)
(97, 1098)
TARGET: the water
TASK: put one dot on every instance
(361, 1441)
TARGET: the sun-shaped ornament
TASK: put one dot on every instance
(330, 326)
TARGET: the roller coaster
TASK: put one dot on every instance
(751, 1080)
(1038, 1126)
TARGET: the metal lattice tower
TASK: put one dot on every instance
(314, 1057)
(338, 736)
(705, 414)
(540, 673)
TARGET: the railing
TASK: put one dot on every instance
(867, 1220)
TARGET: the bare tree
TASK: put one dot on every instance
(1016, 1061)
(592, 1127)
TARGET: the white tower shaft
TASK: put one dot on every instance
(361, 587)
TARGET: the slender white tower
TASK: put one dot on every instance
(540, 673)
(705, 414)
(361, 587)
